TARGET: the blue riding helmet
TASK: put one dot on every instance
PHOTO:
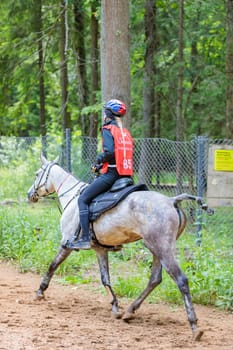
(117, 107)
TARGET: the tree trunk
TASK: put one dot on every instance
(146, 159)
(64, 72)
(229, 68)
(179, 122)
(93, 131)
(80, 53)
(115, 52)
(195, 69)
(39, 31)
(149, 70)
(94, 67)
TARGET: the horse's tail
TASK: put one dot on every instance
(199, 200)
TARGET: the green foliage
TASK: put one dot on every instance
(92, 109)
(209, 268)
(23, 240)
(30, 235)
(204, 58)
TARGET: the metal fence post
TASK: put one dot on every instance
(200, 182)
(68, 150)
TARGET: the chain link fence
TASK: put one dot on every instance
(166, 166)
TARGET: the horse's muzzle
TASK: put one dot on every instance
(33, 196)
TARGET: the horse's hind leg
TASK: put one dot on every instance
(59, 258)
(102, 256)
(155, 279)
(173, 269)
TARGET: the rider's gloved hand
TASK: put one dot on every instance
(95, 168)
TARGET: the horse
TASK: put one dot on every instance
(151, 216)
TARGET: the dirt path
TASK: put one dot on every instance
(77, 318)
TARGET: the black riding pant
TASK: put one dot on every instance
(101, 184)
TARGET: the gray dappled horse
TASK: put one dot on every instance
(148, 215)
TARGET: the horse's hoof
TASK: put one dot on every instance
(39, 295)
(117, 315)
(127, 316)
(198, 334)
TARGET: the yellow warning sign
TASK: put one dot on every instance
(223, 160)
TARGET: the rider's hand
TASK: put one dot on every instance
(95, 168)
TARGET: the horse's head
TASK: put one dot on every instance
(42, 185)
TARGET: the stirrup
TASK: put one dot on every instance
(79, 244)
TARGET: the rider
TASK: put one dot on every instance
(116, 161)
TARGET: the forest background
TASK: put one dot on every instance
(172, 63)
(180, 64)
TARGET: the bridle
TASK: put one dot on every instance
(48, 168)
(45, 168)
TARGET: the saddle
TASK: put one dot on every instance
(107, 200)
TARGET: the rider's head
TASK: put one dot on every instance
(114, 108)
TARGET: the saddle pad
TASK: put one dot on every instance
(108, 200)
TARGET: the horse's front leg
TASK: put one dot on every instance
(102, 256)
(59, 258)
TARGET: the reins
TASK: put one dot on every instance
(62, 183)
(75, 195)
(70, 189)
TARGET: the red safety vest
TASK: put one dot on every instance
(123, 144)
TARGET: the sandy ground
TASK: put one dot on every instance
(78, 318)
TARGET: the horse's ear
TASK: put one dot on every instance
(43, 159)
(56, 160)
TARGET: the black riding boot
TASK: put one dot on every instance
(84, 241)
